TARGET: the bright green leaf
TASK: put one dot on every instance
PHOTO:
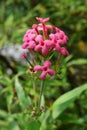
(24, 99)
(65, 100)
(42, 101)
(9, 21)
(61, 104)
(77, 62)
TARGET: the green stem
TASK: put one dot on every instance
(29, 62)
(41, 91)
(34, 87)
(58, 61)
(59, 58)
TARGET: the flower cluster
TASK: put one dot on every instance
(45, 39)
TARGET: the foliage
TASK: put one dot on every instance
(65, 97)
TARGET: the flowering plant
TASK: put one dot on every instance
(42, 42)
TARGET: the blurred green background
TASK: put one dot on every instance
(16, 16)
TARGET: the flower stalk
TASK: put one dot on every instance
(41, 92)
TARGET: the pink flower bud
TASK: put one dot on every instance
(24, 55)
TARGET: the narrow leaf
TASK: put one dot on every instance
(61, 104)
(77, 62)
(24, 100)
(65, 100)
(42, 101)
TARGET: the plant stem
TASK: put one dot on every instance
(34, 87)
(59, 58)
(41, 91)
(58, 61)
(29, 62)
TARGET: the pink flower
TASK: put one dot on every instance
(41, 46)
(64, 51)
(24, 46)
(41, 20)
(31, 45)
(49, 44)
(35, 26)
(45, 70)
(23, 56)
(45, 38)
(28, 39)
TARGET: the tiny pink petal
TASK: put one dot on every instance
(31, 45)
(44, 50)
(57, 47)
(24, 46)
(39, 38)
(52, 36)
(43, 75)
(38, 68)
(38, 47)
(49, 43)
(25, 38)
(64, 51)
(51, 72)
(57, 29)
(47, 63)
(34, 26)
(41, 20)
(24, 55)
(31, 36)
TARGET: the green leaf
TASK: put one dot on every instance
(42, 101)
(77, 62)
(24, 99)
(13, 125)
(61, 104)
(65, 100)
(3, 114)
(9, 21)
(10, 95)
(34, 125)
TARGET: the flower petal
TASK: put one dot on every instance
(44, 50)
(31, 45)
(47, 63)
(50, 72)
(39, 38)
(38, 68)
(64, 51)
(25, 44)
(41, 20)
(43, 75)
(38, 48)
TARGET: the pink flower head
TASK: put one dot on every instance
(41, 20)
(45, 70)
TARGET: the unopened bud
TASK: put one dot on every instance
(33, 113)
(41, 108)
(30, 106)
